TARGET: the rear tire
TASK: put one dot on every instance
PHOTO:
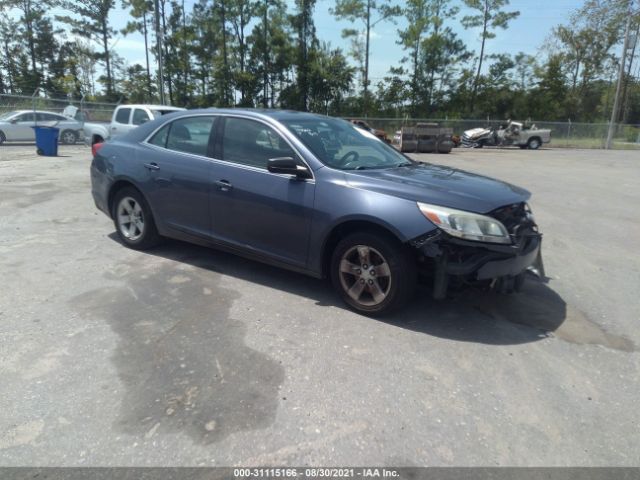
(372, 273)
(133, 220)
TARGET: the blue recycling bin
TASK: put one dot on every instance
(47, 141)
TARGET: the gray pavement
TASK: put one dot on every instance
(188, 356)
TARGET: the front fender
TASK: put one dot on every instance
(337, 202)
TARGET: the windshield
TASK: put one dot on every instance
(339, 144)
(6, 115)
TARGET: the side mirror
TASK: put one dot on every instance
(288, 166)
(13, 120)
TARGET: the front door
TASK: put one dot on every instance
(259, 211)
(22, 130)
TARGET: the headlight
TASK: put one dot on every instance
(466, 225)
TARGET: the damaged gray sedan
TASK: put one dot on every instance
(316, 195)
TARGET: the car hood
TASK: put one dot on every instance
(476, 132)
(440, 185)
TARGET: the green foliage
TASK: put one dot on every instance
(267, 53)
(490, 17)
(90, 20)
(370, 12)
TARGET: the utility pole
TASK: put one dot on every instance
(156, 5)
(365, 96)
(616, 101)
(265, 74)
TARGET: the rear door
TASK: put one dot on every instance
(46, 119)
(178, 163)
(252, 208)
(140, 116)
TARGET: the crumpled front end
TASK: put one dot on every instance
(470, 138)
(454, 262)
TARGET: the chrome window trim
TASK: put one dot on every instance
(227, 162)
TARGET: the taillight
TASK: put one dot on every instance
(95, 148)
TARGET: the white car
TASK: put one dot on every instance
(16, 126)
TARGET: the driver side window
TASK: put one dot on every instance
(26, 117)
(252, 143)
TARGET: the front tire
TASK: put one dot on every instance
(68, 137)
(133, 220)
(372, 273)
(534, 143)
(3, 138)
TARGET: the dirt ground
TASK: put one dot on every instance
(188, 356)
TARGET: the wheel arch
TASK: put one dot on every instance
(116, 187)
(349, 226)
(96, 138)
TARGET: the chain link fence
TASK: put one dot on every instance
(87, 111)
(563, 134)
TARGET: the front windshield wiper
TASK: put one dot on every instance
(405, 164)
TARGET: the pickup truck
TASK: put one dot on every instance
(512, 133)
(125, 118)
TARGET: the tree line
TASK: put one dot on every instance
(268, 53)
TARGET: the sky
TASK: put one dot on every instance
(526, 33)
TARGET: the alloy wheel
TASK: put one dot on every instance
(130, 218)
(365, 275)
(68, 138)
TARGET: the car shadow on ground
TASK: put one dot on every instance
(471, 315)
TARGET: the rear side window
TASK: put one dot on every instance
(46, 117)
(252, 143)
(140, 117)
(122, 116)
(188, 135)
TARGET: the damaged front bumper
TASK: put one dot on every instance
(450, 260)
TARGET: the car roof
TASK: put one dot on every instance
(273, 113)
(151, 106)
(37, 111)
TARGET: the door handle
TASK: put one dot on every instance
(151, 166)
(224, 185)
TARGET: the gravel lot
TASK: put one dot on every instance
(188, 356)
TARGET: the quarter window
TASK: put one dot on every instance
(252, 143)
(123, 115)
(140, 117)
(160, 138)
(189, 135)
